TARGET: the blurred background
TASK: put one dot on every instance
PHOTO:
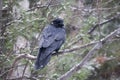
(86, 23)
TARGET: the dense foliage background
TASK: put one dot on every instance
(90, 52)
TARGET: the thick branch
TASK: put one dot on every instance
(74, 49)
(88, 56)
(31, 57)
(18, 58)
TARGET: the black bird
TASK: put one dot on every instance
(52, 38)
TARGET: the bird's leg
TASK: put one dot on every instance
(56, 52)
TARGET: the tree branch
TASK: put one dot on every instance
(18, 58)
(66, 51)
(41, 6)
(102, 23)
(88, 56)
(74, 49)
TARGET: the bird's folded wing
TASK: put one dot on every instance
(51, 34)
(47, 37)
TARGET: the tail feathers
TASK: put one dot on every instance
(42, 59)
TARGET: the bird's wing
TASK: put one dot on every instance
(50, 34)
(47, 37)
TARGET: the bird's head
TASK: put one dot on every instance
(58, 22)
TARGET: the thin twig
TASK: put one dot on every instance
(41, 6)
(102, 23)
(98, 18)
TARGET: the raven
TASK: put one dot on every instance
(52, 38)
